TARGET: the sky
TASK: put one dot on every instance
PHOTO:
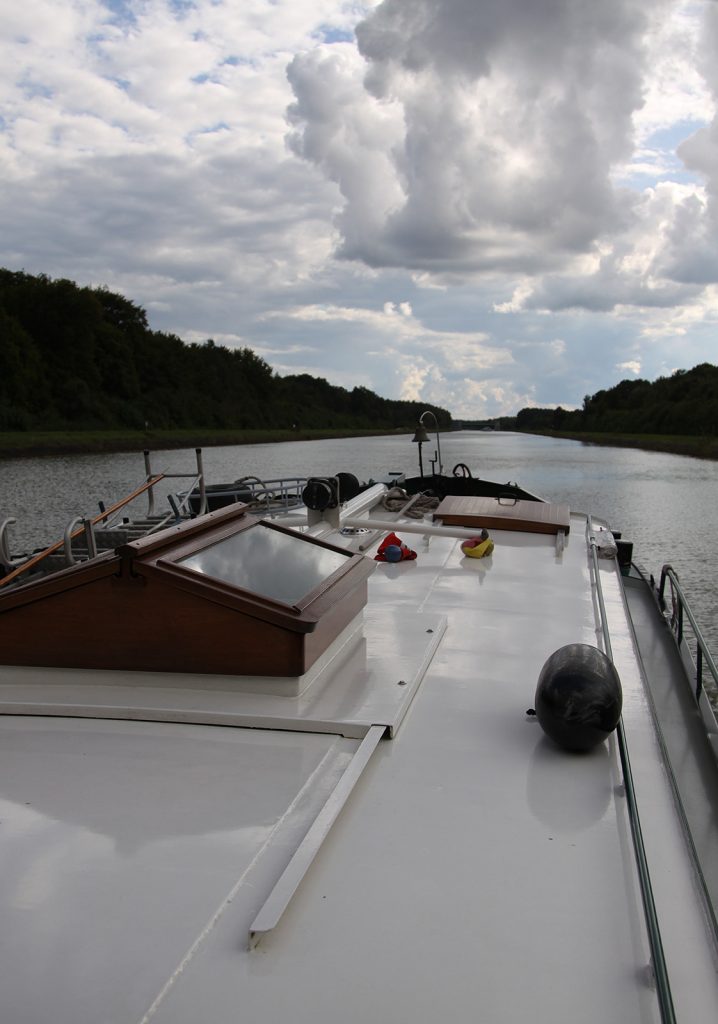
(482, 204)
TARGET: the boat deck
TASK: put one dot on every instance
(473, 869)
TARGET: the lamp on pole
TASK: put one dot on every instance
(421, 436)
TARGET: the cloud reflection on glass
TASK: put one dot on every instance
(268, 562)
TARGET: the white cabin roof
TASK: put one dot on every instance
(473, 869)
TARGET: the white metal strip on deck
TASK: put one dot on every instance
(291, 878)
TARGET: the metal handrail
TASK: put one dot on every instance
(280, 493)
(199, 480)
(6, 561)
(72, 531)
(107, 518)
(703, 655)
(42, 555)
(663, 987)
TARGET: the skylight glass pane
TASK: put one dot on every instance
(267, 562)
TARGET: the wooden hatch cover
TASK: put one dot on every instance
(504, 514)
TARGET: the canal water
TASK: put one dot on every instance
(667, 505)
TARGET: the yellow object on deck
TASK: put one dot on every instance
(478, 548)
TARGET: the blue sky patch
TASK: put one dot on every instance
(122, 10)
(32, 89)
(670, 138)
(331, 34)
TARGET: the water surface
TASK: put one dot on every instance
(666, 504)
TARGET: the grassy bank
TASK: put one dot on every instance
(697, 447)
(81, 442)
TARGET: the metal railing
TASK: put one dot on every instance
(264, 497)
(275, 495)
(6, 561)
(660, 969)
(681, 610)
(38, 558)
(198, 481)
(106, 521)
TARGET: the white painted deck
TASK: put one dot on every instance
(476, 872)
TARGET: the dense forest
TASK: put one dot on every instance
(685, 403)
(75, 358)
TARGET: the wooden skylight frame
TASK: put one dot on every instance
(141, 608)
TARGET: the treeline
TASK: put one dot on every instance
(686, 403)
(85, 359)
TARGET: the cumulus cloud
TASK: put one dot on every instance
(501, 123)
(508, 138)
(633, 366)
(148, 138)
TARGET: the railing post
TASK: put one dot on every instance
(5, 556)
(699, 672)
(202, 489)
(90, 538)
(151, 490)
(69, 530)
(662, 587)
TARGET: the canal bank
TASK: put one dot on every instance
(695, 447)
(97, 442)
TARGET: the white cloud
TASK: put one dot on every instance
(459, 350)
(675, 91)
(633, 366)
(413, 382)
(512, 118)
(519, 122)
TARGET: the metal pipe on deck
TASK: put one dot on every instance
(424, 529)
